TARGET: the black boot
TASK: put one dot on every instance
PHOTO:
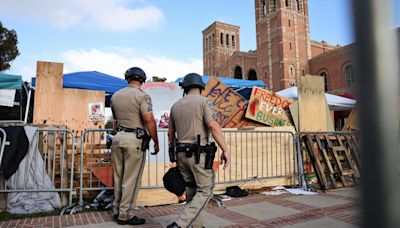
(132, 221)
(173, 225)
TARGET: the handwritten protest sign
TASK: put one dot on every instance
(268, 108)
(229, 105)
(96, 111)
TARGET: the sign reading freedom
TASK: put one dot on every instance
(229, 105)
(268, 108)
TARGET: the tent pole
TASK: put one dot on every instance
(27, 106)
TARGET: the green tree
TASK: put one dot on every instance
(8, 47)
(158, 79)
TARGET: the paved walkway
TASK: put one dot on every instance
(337, 208)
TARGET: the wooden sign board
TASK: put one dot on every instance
(268, 108)
(313, 109)
(229, 105)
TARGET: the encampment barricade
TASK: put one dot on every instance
(254, 154)
(334, 157)
(48, 165)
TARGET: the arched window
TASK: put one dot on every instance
(274, 4)
(222, 39)
(233, 41)
(252, 75)
(287, 3)
(213, 41)
(349, 73)
(264, 8)
(227, 39)
(238, 73)
(206, 44)
(291, 71)
(298, 5)
(325, 75)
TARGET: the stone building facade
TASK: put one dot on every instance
(284, 52)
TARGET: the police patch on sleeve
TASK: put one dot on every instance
(147, 99)
(211, 106)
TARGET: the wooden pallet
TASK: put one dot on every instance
(335, 159)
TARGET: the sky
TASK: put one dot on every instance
(163, 37)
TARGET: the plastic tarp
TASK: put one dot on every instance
(232, 82)
(8, 81)
(336, 103)
(91, 80)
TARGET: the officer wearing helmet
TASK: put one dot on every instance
(135, 125)
(192, 119)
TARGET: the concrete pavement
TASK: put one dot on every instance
(336, 208)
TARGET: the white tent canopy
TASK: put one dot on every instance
(336, 103)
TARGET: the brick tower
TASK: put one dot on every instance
(283, 41)
(220, 41)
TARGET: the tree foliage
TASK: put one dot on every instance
(158, 79)
(8, 47)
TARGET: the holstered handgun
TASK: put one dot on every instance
(145, 137)
(172, 151)
(210, 150)
(197, 151)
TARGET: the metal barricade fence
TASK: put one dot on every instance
(344, 139)
(259, 154)
(254, 155)
(50, 169)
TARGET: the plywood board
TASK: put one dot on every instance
(268, 108)
(312, 104)
(294, 112)
(229, 105)
(57, 106)
(352, 121)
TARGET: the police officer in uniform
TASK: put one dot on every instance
(192, 118)
(132, 112)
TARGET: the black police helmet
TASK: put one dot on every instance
(135, 72)
(192, 80)
(173, 182)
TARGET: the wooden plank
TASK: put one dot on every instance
(294, 112)
(268, 108)
(312, 104)
(327, 162)
(352, 121)
(316, 162)
(54, 105)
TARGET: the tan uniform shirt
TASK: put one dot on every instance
(190, 116)
(128, 106)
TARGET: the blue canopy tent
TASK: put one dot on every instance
(243, 87)
(92, 80)
(232, 82)
(14, 82)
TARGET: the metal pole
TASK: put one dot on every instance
(378, 79)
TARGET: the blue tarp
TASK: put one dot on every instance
(91, 80)
(233, 82)
(8, 81)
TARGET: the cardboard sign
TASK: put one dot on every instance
(7, 97)
(268, 108)
(229, 105)
(96, 112)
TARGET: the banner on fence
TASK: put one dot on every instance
(268, 108)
